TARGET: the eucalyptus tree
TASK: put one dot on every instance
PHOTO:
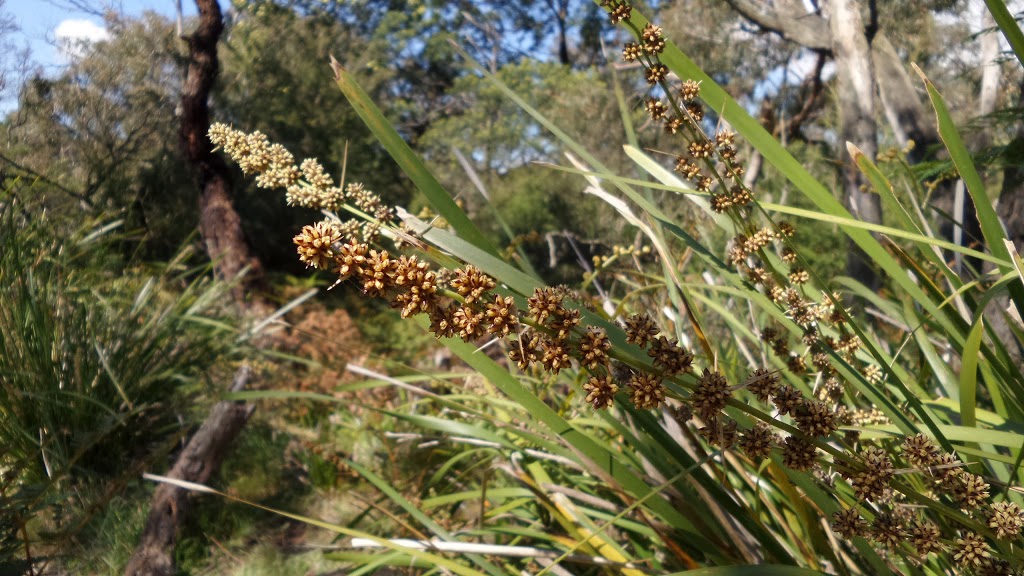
(876, 98)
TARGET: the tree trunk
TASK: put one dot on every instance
(1011, 211)
(221, 228)
(219, 224)
(201, 457)
(855, 87)
(1011, 198)
(990, 71)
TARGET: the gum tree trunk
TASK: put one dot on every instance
(855, 87)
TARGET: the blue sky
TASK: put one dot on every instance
(42, 22)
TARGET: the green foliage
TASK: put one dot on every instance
(257, 469)
(496, 456)
(391, 338)
(98, 359)
(108, 541)
(104, 135)
(694, 489)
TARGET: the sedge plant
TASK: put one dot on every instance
(716, 404)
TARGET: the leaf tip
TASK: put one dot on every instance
(336, 67)
(920, 72)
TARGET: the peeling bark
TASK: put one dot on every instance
(789, 19)
(860, 74)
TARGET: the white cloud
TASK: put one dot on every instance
(74, 34)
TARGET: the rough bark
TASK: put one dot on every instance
(154, 555)
(221, 228)
(855, 93)
(220, 224)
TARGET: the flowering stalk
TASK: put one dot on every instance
(550, 335)
(872, 504)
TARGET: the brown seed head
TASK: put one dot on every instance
(656, 109)
(711, 395)
(872, 483)
(757, 442)
(350, 259)
(442, 321)
(471, 283)
(849, 524)
(668, 356)
(689, 91)
(925, 535)
(721, 203)
(1006, 518)
(656, 73)
(798, 454)
(554, 354)
(646, 391)
(719, 432)
(315, 244)
(594, 347)
(631, 52)
(524, 350)
(815, 418)
(741, 196)
(469, 323)
(970, 491)
(545, 303)
(687, 168)
(888, 531)
(620, 12)
(701, 148)
(763, 384)
(971, 550)
(600, 391)
(502, 315)
(694, 114)
(378, 273)
(787, 399)
(920, 451)
(640, 329)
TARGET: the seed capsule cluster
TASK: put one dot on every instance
(765, 256)
(549, 334)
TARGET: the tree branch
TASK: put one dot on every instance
(790, 20)
(814, 80)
